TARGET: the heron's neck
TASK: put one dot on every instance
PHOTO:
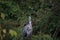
(30, 19)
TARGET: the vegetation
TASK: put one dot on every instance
(45, 19)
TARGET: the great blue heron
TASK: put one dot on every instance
(27, 29)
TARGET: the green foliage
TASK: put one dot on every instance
(44, 17)
(41, 37)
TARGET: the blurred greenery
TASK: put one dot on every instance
(45, 19)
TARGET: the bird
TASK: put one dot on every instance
(27, 28)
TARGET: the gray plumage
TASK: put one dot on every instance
(27, 29)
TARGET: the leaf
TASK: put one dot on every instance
(2, 15)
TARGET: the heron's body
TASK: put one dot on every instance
(27, 29)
